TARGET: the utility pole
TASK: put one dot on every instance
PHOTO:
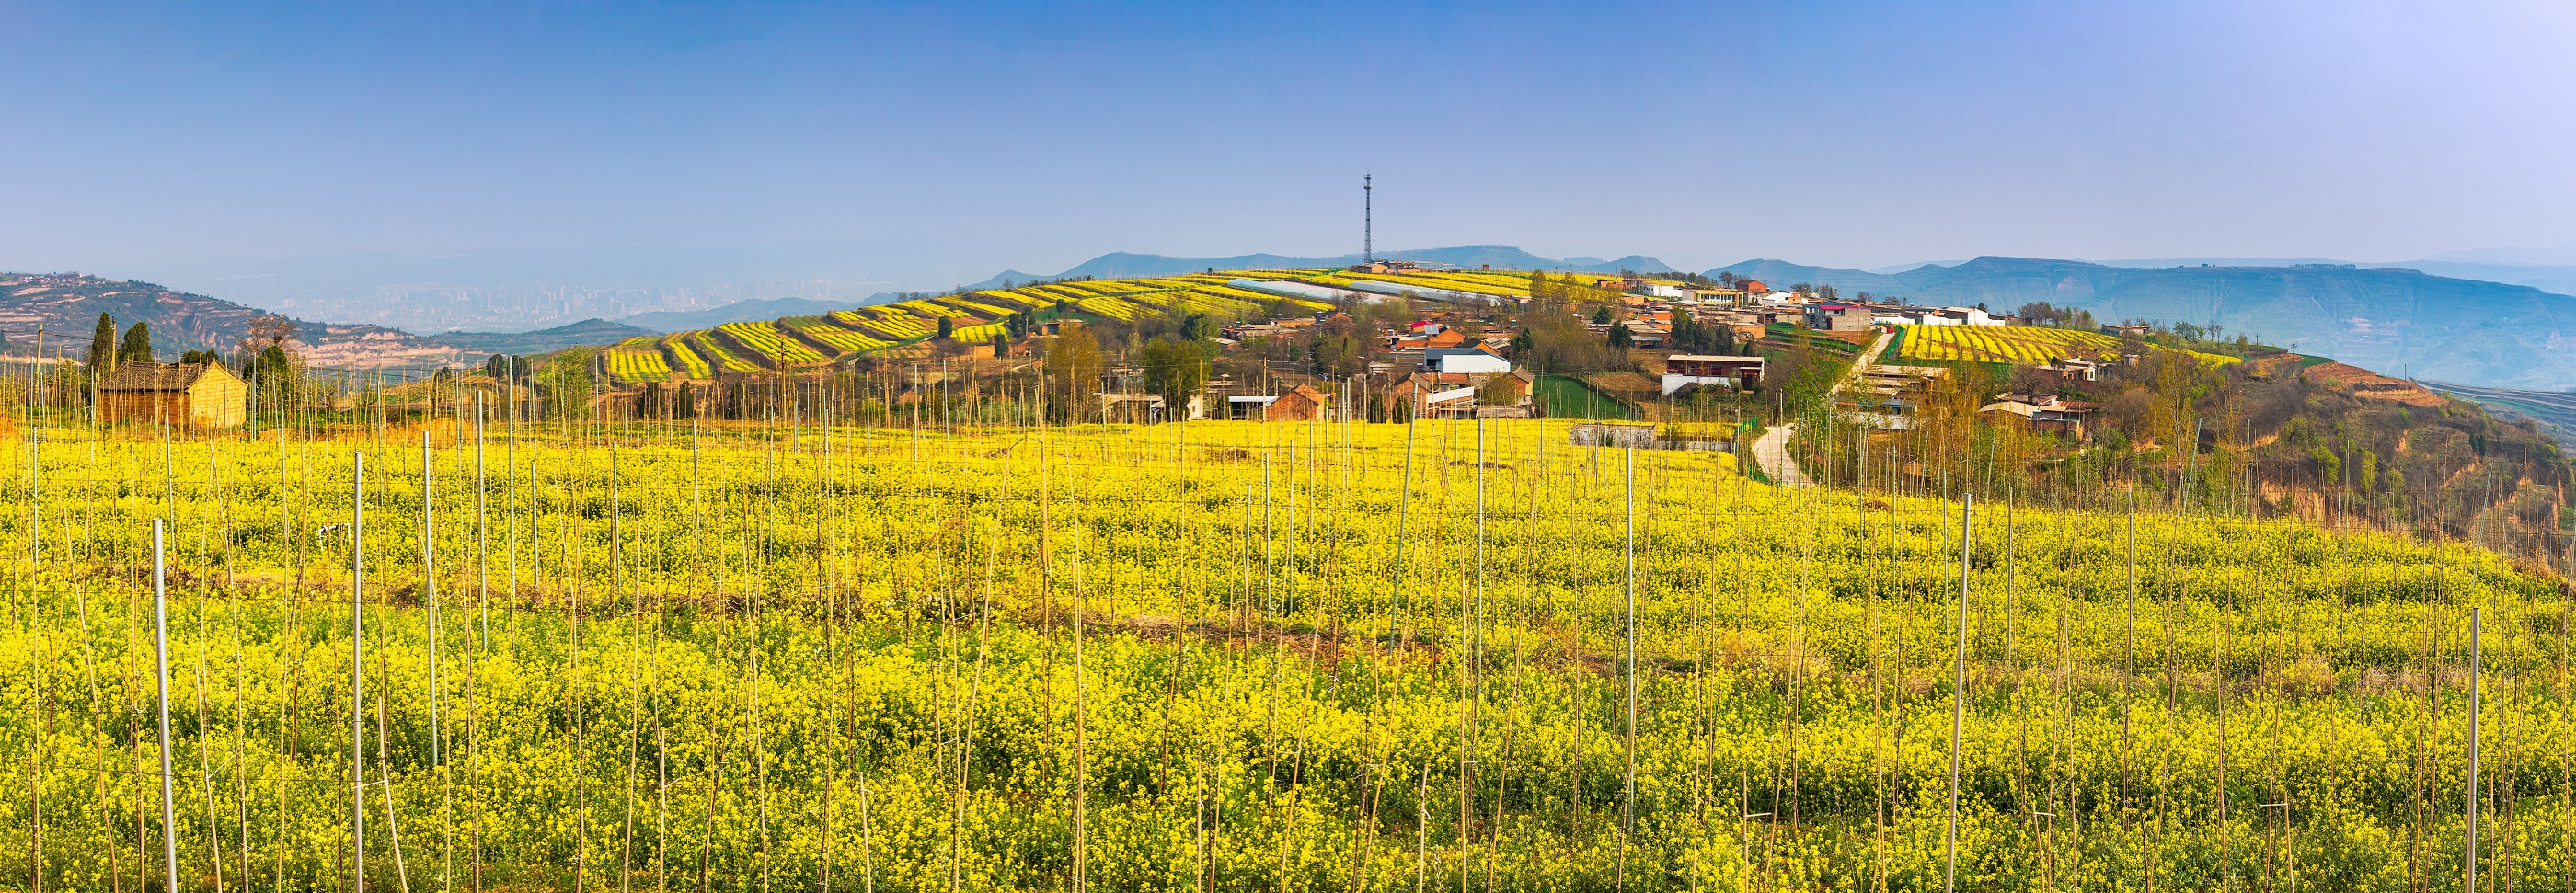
(1368, 223)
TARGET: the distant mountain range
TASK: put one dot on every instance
(755, 310)
(585, 332)
(2396, 320)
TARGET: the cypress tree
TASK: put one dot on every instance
(102, 346)
(138, 345)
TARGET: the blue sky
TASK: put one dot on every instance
(952, 141)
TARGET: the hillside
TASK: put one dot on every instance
(2555, 409)
(69, 304)
(976, 316)
(2397, 320)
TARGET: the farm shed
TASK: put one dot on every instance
(198, 395)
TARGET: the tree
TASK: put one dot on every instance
(1601, 315)
(271, 328)
(1072, 367)
(102, 346)
(137, 347)
(1524, 342)
(1619, 337)
(1177, 370)
(947, 327)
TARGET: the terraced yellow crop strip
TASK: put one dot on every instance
(1032, 302)
(718, 356)
(844, 339)
(2025, 345)
(978, 309)
(929, 308)
(1114, 308)
(983, 332)
(689, 360)
(897, 331)
(892, 324)
(633, 365)
(1062, 293)
(765, 339)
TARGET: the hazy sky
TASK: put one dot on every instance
(958, 140)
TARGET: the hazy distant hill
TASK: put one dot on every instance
(589, 332)
(753, 310)
(69, 305)
(2398, 321)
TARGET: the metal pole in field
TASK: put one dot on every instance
(429, 594)
(161, 653)
(1958, 700)
(1628, 803)
(357, 662)
(2469, 871)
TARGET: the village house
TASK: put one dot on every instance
(2070, 369)
(1887, 395)
(1838, 317)
(194, 395)
(1301, 404)
(1684, 370)
(2041, 412)
(1477, 360)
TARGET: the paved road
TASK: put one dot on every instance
(1771, 450)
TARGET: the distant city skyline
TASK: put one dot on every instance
(946, 144)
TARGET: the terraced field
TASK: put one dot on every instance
(682, 359)
(766, 340)
(2020, 345)
(718, 356)
(741, 347)
(841, 339)
(638, 359)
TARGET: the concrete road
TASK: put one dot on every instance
(1771, 450)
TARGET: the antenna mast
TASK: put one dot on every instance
(1368, 223)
